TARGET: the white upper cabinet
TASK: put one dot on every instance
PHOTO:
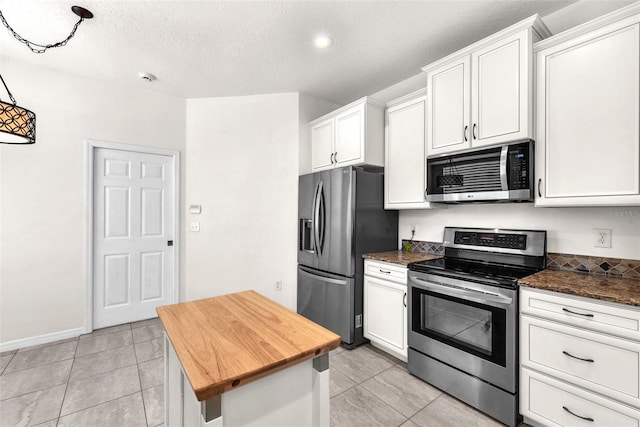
(351, 135)
(448, 106)
(405, 152)
(482, 95)
(588, 113)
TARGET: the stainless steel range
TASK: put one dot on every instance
(463, 315)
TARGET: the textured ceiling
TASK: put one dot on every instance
(228, 48)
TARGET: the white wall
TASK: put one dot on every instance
(569, 230)
(42, 189)
(242, 168)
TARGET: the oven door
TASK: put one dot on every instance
(467, 325)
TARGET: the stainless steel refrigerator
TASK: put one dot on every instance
(340, 217)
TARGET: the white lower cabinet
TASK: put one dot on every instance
(573, 373)
(385, 307)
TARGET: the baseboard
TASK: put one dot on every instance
(40, 339)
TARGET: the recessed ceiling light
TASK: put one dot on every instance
(323, 41)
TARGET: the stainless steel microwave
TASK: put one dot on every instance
(497, 174)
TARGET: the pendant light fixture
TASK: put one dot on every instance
(17, 124)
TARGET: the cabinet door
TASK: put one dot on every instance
(448, 107)
(322, 145)
(349, 146)
(385, 319)
(588, 145)
(500, 91)
(405, 177)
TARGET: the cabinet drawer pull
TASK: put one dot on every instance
(576, 357)
(466, 133)
(576, 415)
(335, 156)
(331, 158)
(579, 314)
(404, 299)
(474, 131)
(384, 271)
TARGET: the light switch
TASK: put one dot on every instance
(195, 209)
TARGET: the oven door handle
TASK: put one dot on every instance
(461, 292)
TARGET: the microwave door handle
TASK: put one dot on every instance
(459, 292)
(504, 154)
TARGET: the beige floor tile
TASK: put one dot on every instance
(152, 321)
(357, 407)
(338, 382)
(101, 362)
(92, 391)
(147, 332)
(447, 411)
(151, 373)
(25, 359)
(148, 350)
(401, 390)
(104, 331)
(154, 405)
(104, 342)
(361, 363)
(32, 408)
(34, 379)
(125, 411)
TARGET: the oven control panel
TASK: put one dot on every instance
(491, 240)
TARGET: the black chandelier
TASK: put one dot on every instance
(17, 124)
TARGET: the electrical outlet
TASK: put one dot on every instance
(195, 226)
(602, 237)
(279, 285)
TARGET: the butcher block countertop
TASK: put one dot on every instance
(230, 340)
(623, 291)
(400, 257)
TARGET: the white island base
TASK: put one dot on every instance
(296, 396)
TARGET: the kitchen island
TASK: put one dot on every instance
(242, 359)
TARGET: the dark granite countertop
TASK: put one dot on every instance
(400, 257)
(619, 290)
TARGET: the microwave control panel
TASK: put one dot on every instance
(492, 240)
(518, 167)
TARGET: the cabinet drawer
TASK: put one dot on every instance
(611, 318)
(544, 399)
(385, 270)
(604, 364)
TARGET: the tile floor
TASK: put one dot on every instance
(114, 377)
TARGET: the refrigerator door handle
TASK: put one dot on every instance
(317, 228)
(323, 218)
(323, 278)
(315, 219)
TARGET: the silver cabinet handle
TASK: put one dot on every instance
(576, 357)
(576, 415)
(466, 133)
(332, 158)
(579, 314)
(539, 184)
(335, 156)
(404, 299)
(474, 131)
(384, 271)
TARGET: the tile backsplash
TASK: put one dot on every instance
(601, 266)
(597, 265)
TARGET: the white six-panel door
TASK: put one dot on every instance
(133, 223)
